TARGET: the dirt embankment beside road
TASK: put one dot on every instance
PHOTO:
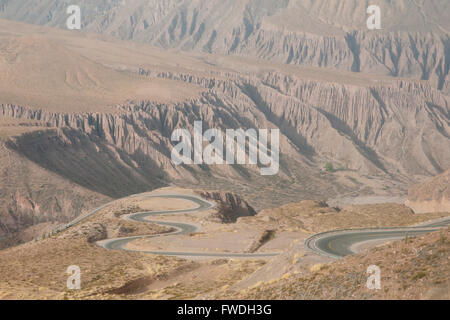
(431, 196)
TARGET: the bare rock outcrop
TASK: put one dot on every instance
(91, 231)
(260, 240)
(229, 206)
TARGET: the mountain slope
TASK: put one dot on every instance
(410, 269)
(413, 42)
(381, 127)
(379, 134)
(431, 196)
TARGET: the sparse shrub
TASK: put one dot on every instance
(318, 267)
(442, 238)
(329, 167)
(418, 275)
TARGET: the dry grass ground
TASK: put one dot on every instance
(41, 266)
(417, 268)
(38, 271)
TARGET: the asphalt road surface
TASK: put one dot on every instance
(338, 244)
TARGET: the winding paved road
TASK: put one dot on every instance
(335, 244)
(180, 228)
(338, 244)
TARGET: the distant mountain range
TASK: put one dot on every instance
(413, 42)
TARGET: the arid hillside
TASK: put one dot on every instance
(432, 195)
(99, 112)
(88, 126)
(118, 274)
(416, 268)
(413, 41)
(412, 268)
(44, 72)
(34, 200)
